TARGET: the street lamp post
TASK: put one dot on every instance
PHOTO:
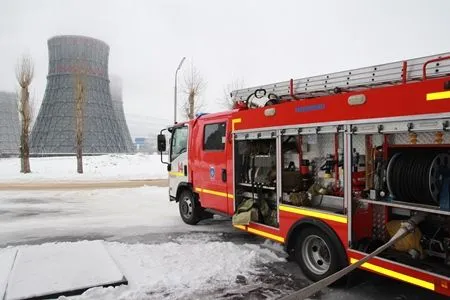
(175, 91)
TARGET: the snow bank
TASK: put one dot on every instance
(187, 270)
(103, 167)
(56, 268)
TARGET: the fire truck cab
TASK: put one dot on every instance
(330, 166)
(200, 162)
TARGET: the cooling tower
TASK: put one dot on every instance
(9, 124)
(54, 129)
(115, 85)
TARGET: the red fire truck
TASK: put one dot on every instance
(328, 166)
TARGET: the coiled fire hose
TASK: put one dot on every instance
(405, 228)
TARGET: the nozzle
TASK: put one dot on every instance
(410, 225)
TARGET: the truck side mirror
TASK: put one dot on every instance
(161, 142)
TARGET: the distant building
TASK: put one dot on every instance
(54, 129)
(9, 124)
(146, 144)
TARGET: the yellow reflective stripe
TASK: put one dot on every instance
(396, 275)
(261, 233)
(438, 96)
(312, 213)
(240, 226)
(177, 174)
(235, 121)
(222, 194)
(266, 234)
(216, 193)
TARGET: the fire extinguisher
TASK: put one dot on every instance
(304, 167)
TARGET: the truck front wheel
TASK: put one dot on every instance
(318, 254)
(190, 209)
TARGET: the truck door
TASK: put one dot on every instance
(178, 158)
(212, 180)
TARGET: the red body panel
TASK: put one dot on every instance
(206, 166)
(394, 101)
(363, 217)
(287, 220)
(403, 100)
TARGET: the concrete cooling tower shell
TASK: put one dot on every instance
(115, 85)
(9, 124)
(54, 129)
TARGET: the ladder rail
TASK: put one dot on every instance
(432, 61)
(376, 76)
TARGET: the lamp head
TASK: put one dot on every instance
(181, 63)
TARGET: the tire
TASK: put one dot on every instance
(190, 210)
(319, 254)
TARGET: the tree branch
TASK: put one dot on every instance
(194, 84)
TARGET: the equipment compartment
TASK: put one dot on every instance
(256, 182)
(406, 173)
(312, 173)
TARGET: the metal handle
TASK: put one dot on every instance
(224, 175)
(424, 68)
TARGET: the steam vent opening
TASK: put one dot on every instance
(104, 126)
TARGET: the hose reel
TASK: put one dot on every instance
(417, 178)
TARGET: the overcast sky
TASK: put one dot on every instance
(258, 42)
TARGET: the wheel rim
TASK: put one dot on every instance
(439, 163)
(186, 207)
(316, 254)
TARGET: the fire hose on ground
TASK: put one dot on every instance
(405, 228)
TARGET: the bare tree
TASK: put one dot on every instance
(24, 76)
(194, 85)
(227, 101)
(80, 98)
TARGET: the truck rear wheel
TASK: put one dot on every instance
(318, 254)
(190, 209)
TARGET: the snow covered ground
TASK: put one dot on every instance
(52, 269)
(162, 257)
(111, 214)
(103, 167)
(170, 260)
(182, 269)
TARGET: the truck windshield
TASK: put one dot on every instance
(178, 144)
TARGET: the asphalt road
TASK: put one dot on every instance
(81, 185)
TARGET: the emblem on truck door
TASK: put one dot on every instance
(212, 172)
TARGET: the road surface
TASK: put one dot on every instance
(125, 216)
(78, 185)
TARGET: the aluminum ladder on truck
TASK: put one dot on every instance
(401, 72)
